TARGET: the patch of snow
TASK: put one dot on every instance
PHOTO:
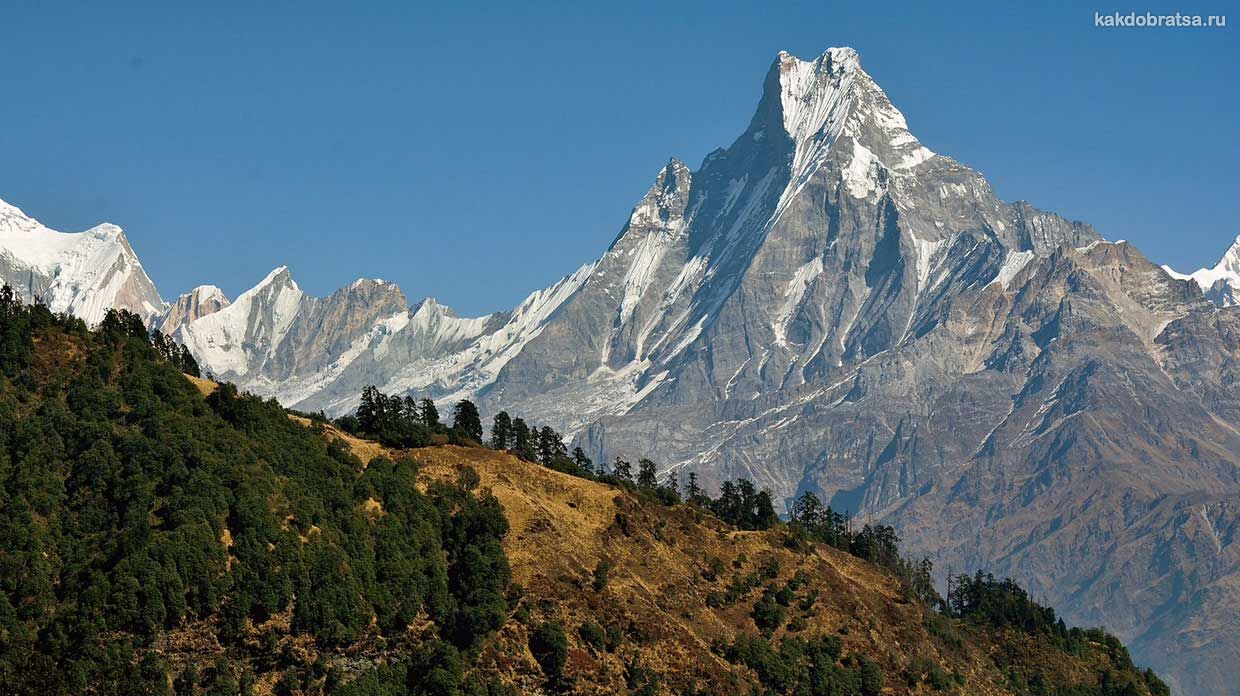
(794, 292)
(1013, 264)
(861, 174)
(925, 257)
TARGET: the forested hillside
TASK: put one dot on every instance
(159, 538)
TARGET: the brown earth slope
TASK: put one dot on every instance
(656, 597)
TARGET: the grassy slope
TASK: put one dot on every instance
(563, 526)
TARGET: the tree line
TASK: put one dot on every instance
(130, 506)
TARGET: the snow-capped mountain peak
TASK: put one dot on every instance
(278, 277)
(832, 96)
(1221, 284)
(83, 273)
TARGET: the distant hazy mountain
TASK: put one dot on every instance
(828, 305)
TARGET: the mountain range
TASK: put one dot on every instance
(824, 305)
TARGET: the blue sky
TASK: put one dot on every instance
(477, 153)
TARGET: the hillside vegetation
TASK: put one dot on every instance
(165, 535)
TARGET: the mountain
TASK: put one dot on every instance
(166, 534)
(199, 302)
(84, 273)
(1221, 284)
(827, 305)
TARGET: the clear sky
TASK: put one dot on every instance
(476, 153)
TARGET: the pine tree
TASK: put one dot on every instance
(693, 492)
(369, 411)
(582, 461)
(807, 511)
(429, 415)
(550, 446)
(646, 477)
(523, 441)
(465, 418)
(622, 470)
(673, 484)
(501, 431)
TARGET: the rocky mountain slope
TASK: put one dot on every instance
(199, 302)
(84, 273)
(828, 305)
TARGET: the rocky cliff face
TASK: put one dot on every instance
(828, 305)
(199, 302)
(84, 274)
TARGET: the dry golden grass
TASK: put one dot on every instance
(205, 386)
(563, 526)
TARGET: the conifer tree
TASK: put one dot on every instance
(646, 477)
(622, 470)
(693, 492)
(429, 414)
(550, 446)
(582, 461)
(523, 441)
(369, 410)
(501, 431)
(465, 418)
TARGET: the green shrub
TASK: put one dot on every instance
(549, 646)
(593, 636)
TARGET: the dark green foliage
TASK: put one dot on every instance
(429, 415)
(810, 520)
(550, 447)
(174, 353)
(593, 636)
(742, 505)
(583, 463)
(1000, 603)
(466, 420)
(472, 529)
(601, 569)
(768, 614)
(797, 665)
(693, 492)
(524, 441)
(646, 474)
(118, 482)
(872, 677)
(549, 646)
(622, 470)
(501, 431)
(393, 421)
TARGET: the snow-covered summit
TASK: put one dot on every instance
(831, 96)
(1221, 284)
(83, 273)
(231, 339)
